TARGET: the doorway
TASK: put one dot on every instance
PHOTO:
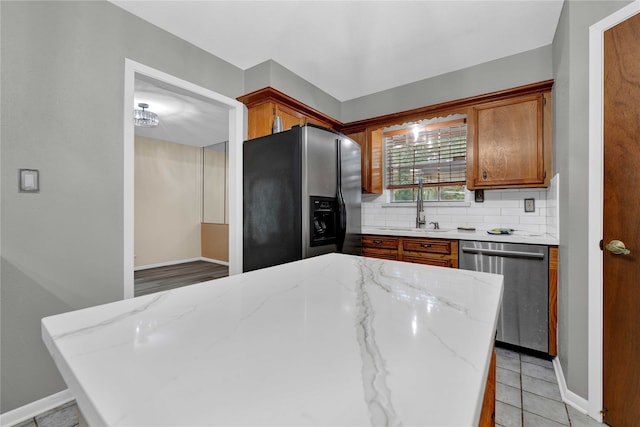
(234, 120)
(596, 204)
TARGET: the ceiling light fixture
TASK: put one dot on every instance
(144, 118)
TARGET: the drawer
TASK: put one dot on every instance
(427, 245)
(438, 262)
(381, 242)
(391, 254)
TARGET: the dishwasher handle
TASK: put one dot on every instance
(503, 253)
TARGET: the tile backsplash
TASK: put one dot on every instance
(501, 208)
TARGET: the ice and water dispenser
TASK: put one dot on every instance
(323, 220)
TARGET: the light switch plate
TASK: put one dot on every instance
(29, 180)
(529, 205)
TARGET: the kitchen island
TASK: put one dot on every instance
(330, 340)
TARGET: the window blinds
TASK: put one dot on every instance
(437, 153)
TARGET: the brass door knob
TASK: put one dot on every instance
(616, 247)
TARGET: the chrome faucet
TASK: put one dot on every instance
(435, 224)
(419, 205)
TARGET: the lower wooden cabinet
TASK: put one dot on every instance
(438, 252)
(488, 414)
(380, 247)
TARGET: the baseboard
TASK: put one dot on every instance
(182, 261)
(165, 264)
(33, 409)
(215, 261)
(570, 398)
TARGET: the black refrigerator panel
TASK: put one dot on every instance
(272, 200)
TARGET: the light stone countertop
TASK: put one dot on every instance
(455, 234)
(331, 340)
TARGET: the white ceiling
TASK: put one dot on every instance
(354, 48)
(184, 117)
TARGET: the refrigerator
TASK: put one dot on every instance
(301, 196)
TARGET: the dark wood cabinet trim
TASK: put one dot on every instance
(488, 414)
(268, 94)
(553, 300)
(444, 108)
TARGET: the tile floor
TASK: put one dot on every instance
(527, 394)
(63, 416)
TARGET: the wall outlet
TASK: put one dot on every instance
(529, 205)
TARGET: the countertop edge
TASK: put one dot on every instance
(482, 235)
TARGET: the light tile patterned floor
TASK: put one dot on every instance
(527, 394)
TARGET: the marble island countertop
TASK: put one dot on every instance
(330, 340)
(455, 234)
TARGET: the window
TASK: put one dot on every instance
(436, 152)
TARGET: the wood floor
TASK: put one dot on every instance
(175, 276)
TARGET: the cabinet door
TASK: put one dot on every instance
(508, 146)
(290, 117)
(260, 120)
(375, 153)
(371, 149)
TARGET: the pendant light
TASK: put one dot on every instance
(144, 118)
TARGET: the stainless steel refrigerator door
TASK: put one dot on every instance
(524, 316)
(352, 193)
(319, 178)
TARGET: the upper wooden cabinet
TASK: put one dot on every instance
(509, 134)
(265, 104)
(371, 159)
(509, 143)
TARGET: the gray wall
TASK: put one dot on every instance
(528, 67)
(62, 109)
(571, 128)
(270, 73)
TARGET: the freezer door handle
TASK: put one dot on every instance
(341, 208)
(503, 253)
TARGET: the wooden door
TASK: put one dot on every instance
(621, 323)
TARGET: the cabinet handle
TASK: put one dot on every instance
(484, 174)
(377, 242)
(425, 245)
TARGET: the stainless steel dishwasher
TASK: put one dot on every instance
(524, 317)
